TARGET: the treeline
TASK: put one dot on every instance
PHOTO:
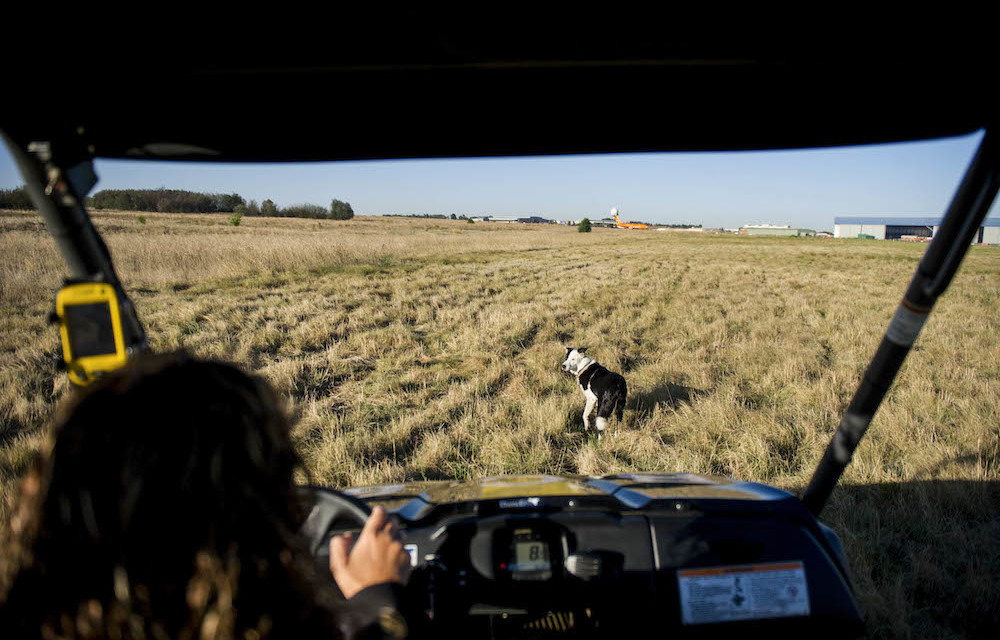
(434, 216)
(338, 210)
(181, 201)
(16, 198)
(165, 201)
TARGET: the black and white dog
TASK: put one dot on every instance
(604, 390)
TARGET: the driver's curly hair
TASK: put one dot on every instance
(163, 506)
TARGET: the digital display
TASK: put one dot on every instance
(90, 330)
(531, 556)
(527, 554)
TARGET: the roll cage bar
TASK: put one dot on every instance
(59, 173)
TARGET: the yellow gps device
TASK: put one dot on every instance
(90, 327)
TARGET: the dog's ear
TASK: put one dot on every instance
(580, 350)
(568, 350)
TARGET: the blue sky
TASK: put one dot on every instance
(800, 188)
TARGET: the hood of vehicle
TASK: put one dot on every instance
(633, 490)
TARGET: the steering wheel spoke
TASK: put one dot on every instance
(331, 510)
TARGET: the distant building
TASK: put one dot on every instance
(774, 230)
(520, 219)
(534, 220)
(900, 228)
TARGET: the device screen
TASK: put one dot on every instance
(529, 556)
(90, 330)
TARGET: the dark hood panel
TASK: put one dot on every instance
(633, 489)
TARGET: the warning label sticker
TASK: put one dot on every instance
(745, 592)
(905, 326)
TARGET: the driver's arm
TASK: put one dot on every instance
(371, 576)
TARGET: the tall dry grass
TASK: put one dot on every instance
(430, 349)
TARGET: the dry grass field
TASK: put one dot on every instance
(428, 349)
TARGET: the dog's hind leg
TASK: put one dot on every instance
(589, 409)
(609, 406)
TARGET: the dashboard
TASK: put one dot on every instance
(598, 557)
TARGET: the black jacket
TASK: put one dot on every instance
(378, 612)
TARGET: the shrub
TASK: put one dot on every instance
(584, 226)
(267, 208)
(141, 219)
(235, 218)
(341, 210)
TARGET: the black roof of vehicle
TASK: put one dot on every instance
(428, 84)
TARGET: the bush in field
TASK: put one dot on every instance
(268, 208)
(141, 219)
(584, 226)
(340, 210)
(235, 218)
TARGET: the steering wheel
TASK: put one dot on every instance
(331, 510)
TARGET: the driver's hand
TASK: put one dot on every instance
(377, 556)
